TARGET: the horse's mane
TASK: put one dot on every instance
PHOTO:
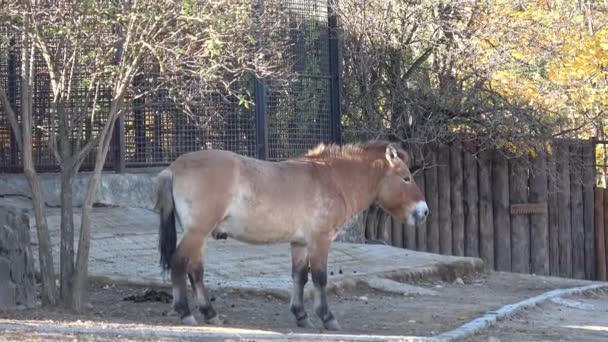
(372, 149)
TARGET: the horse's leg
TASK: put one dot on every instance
(178, 280)
(299, 275)
(202, 297)
(187, 254)
(318, 253)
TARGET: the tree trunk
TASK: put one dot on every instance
(45, 253)
(84, 243)
(67, 236)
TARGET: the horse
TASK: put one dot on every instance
(303, 201)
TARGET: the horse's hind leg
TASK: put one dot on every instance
(318, 253)
(187, 256)
(178, 280)
(202, 297)
(299, 274)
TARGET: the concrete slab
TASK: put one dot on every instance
(124, 249)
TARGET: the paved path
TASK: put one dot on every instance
(124, 247)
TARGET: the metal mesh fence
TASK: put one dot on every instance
(156, 131)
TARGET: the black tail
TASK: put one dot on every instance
(167, 239)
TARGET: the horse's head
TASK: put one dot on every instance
(398, 193)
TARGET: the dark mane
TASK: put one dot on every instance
(372, 149)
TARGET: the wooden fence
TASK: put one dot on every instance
(532, 215)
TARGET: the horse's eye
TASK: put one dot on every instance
(407, 179)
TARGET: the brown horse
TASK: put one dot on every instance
(303, 201)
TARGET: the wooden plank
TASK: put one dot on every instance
(552, 189)
(588, 203)
(456, 186)
(576, 218)
(397, 233)
(500, 205)
(539, 225)
(606, 229)
(385, 227)
(471, 202)
(486, 213)
(432, 200)
(371, 224)
(419, 243)
(520, 224)
(600, 243)
(443, 185)
(564, 211)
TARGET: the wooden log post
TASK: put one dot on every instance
(432, 200)
(456, 187)
(576, 219)
(471, 201)
(445, 212)
(588, 207)
(371, 223)
(552, 190)
(606, 229)
(486, 211)
(520, 223)
(564, 211)
(420, 232)
(502, 221)
(397, 233)
(539, 225)
(385, 226)
(600, 243)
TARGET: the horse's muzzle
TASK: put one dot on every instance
(418, 213)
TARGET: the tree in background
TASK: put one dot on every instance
(511, 75)
(91, 51)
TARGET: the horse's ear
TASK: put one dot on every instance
(391, 154)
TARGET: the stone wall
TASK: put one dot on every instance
(16, 260)
(135, 190)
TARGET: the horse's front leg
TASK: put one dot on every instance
(299, 275)
(318, 254)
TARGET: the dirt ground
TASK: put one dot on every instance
(361, 311)
(581, 318)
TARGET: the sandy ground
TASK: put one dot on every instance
(359, 311)
(574, 318)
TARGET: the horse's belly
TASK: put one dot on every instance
(252, 231)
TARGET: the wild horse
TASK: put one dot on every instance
(303, 201)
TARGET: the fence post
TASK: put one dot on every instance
(12, 97)
(261, 131)
(119, 145)
(261, 125)
(600, 247)
(588, 203)
(334, 69)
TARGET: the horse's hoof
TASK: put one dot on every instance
(305, 323)
(189, 320)
(215, 321)
(332, 325)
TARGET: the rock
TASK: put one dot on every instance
(459, 281)
(16, 263)
(363, 298)
(353, 230)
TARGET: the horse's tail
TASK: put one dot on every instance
(167, 238)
